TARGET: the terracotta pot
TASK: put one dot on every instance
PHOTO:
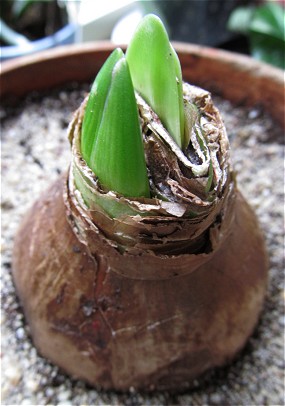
(235, 77)
(116, 325)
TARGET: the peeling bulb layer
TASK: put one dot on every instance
(160, 228)
(114, 142)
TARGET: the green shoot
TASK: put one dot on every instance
(95, 105)
(111, 136)
(156, 74)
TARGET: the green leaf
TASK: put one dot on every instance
(265, 27)
(117, 156)
(268, 49)
(240, 20)
(267, 39)
(19, 7)
(269, 20)
(156, 74)
(95, 105)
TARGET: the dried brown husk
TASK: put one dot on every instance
(179, 221)
(155, 296)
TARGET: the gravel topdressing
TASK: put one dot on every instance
(35, 151)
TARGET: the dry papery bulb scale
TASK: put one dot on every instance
(151, 291)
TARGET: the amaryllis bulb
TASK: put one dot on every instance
(123, 287)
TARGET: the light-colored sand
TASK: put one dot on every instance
(34, 151)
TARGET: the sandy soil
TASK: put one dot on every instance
(34, 151)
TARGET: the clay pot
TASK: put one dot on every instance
(148, 321)
(235, 77)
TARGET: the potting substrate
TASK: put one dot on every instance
(35, 150)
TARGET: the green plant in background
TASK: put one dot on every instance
(14, 9)
(22, 21)
(264, 25)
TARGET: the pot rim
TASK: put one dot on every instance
(237, 77)
(240, 60)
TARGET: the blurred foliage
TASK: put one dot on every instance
(28, 20)
(264, 25)
(11, 10)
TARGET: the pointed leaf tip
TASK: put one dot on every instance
(117, 153)
(95, 105)
(156, 74)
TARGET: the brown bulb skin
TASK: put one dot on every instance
(116, 332)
